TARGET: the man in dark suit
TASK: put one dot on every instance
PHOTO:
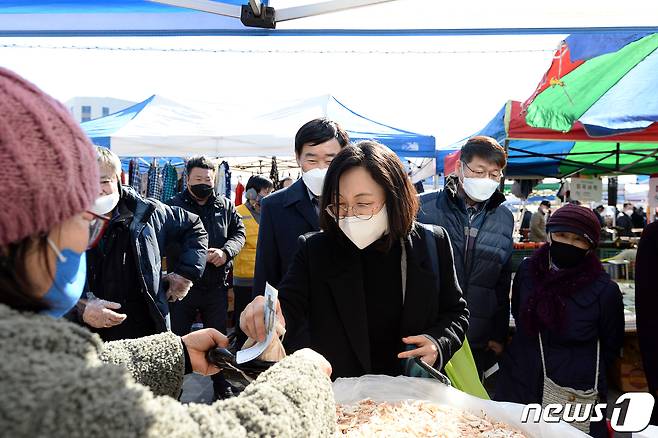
(292, 212)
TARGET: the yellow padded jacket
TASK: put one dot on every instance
(245, 262)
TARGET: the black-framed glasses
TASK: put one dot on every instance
(361, 211)
(97, 227)
(496, 175)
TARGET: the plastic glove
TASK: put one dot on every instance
(178, 287)
(99, 313)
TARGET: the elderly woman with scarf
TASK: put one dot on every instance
(562, 297)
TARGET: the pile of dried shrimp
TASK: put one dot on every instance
(416, 419)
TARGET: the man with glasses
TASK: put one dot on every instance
(126, 297)
(480, 230)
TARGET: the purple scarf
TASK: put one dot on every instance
(546, 306)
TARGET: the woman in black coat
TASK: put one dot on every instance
(373, 287)
(563, 293)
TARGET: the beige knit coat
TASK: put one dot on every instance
(59, 380)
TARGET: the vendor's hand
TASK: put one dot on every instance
(252, 319)
(496, 347)
(100, 313)
(426, 349)
(178, 287)
(316, 358)
(198, 343)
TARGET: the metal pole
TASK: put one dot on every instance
(502, 180)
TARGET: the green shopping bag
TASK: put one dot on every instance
(463, 374)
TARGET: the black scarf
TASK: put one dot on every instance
(545, 308)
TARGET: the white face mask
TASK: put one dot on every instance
(363, 233)
(480, 189)
(105, 204)
(628, 212)
(314, 180)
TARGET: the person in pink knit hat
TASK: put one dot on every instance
(57, 379)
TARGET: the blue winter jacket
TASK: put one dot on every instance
(486, 280)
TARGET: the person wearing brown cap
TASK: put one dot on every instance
(58, 379)
(563, 301)
(538, 222)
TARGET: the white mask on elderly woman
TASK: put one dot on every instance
(364, 233)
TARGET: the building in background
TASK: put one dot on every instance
(89, 108)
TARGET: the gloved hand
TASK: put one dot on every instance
(178, 287)
(99, 313)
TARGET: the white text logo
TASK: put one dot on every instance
(630, 413)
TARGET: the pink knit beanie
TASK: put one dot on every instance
(48, 167)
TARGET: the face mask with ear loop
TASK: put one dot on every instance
(362, 232)
(478, 189)
(314, 180)
(68, 282)
(566, 256)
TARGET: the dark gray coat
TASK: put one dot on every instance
(486, 282)
(225, 231)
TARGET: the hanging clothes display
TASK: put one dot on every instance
(227, 180)
(239, 191)
(154, 189)
(135, 178)
(274, 173)
(169, 182)
(142, 189)
(220, 180)
(183, 185)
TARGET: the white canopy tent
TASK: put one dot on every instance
(160, 127)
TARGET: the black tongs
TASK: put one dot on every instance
(225, 359)
(433, 371)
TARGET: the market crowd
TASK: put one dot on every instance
(100, 286)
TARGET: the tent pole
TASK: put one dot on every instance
(639, 160)
(617, 158)
(565, 160)
(583, 168)
(502, 180)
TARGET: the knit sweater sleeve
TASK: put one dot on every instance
(292, 399)
(156, 361)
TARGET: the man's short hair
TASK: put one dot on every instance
(108, 160)
(258, 183)
(546, 203)
(319, 131)
(200, 162)
(486, 148)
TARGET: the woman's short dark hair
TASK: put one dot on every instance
(258, 183)
(319, 131)
(200, 162)
(16, 290)
(388, 171)
(486, 148)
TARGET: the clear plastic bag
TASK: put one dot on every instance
(395, 389)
